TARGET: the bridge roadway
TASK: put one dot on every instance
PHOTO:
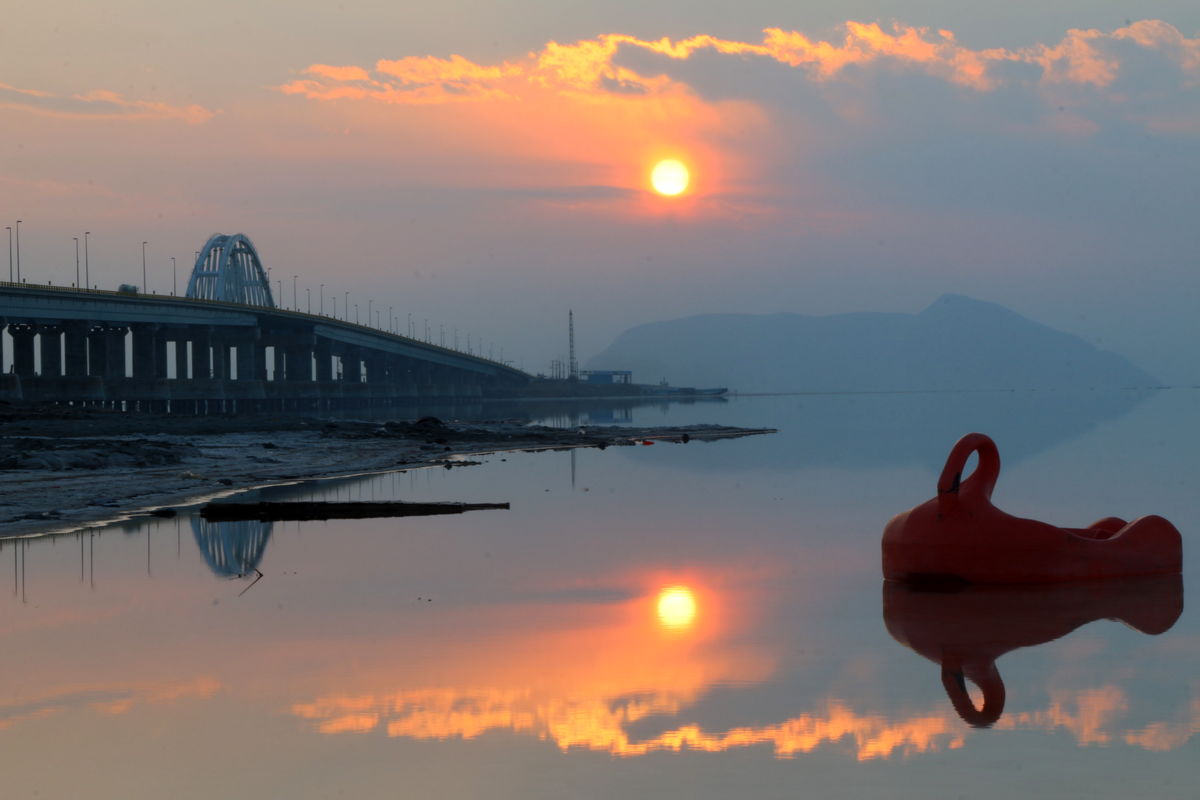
(158, 353)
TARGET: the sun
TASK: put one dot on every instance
(670, 177)
(676, 607)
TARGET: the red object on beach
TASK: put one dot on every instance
(960, 536)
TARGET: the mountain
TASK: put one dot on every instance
(957, 343)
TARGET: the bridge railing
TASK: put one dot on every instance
(299, 315)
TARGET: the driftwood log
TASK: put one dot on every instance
(305, 511)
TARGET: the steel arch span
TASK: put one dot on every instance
(228, 268)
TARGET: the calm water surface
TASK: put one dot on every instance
(700, 620)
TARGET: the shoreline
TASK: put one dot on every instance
(56, 478)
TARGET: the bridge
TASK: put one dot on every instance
(223, 347)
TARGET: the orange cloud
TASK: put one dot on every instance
(1088, 715)
(110, 699)
(590, 65)
(98, 104)
(600, 723)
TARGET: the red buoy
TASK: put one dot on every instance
(959, 536)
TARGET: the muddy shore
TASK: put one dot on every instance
(62, 469)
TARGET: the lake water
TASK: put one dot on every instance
(698, 620)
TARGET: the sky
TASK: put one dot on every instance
(485, 165)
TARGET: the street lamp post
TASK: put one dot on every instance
(174, 285)
(356, 313)
(308, 296)
(346, 307)
(322, 299)
(76, 238)
(369, 302)
(145, 282)
(295, 303)
(409, 329)
(87, 273)
(10, 272)
(18, 251)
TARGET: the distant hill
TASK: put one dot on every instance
(956, 343)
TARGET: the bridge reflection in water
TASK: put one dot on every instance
(232, 549)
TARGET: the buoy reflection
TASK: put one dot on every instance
(676, 607)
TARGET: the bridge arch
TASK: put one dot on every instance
(229, 269)
(232, 549)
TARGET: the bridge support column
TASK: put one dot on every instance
(145, 362)
(201, 340)
(220, 357)
(352, 365)
(298, 363)
(22, 337)
(75, 334)
(114, 344)
(51, 336)
(97, 353)
(324, 357)
(247, 365)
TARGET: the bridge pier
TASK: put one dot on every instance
(75, 334)
(201, 358)
(51, 345)
(22, 338)
(114, 345)
(220, 357)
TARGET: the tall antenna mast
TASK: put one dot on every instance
(572, 364)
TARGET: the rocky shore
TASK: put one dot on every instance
(65, 468)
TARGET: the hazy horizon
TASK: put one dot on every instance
(485, 166)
